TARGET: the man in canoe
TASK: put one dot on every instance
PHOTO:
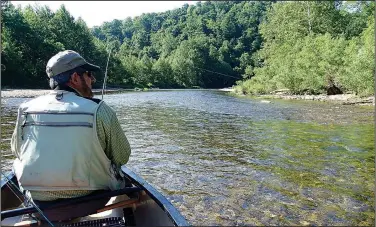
(68, 144)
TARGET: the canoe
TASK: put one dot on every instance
(137, 204)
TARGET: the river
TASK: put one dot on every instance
(227, 160)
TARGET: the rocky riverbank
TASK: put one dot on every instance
(345, 99)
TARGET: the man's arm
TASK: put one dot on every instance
(111, 136)
(14, 143)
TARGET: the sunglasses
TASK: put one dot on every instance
(91, 75)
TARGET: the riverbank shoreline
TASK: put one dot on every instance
(32, 93)
(344, 99)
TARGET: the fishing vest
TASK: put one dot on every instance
(57, 145)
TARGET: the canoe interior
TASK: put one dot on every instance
(147, 208)
(9, 200)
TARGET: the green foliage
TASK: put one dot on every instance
(163, 74)
(33, 35)
(359, 64)
(307, 47)
(206, 45)
(313, 48)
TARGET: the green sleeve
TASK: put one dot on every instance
(111, 136)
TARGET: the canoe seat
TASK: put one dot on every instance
(65, 209)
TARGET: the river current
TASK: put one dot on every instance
(227, 160)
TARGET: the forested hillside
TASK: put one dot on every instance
(307, 47)
(30, 37)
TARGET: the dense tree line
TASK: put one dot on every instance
(31, 36)
(307, 47)
(314, 48)
(207, 45)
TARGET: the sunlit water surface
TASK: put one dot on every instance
(225, 160)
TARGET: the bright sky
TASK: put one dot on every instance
(96, 12)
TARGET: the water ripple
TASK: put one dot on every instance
(224, 160)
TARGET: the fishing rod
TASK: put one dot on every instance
(14, 188)
(216, 72)
(105, 74)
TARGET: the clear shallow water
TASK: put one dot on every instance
(225, 160)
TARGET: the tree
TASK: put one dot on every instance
(303, 51)
(359, 70)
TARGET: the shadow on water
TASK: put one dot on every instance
(224, 160)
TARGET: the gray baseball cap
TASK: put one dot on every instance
(67, 60)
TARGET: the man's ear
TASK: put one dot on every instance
(74, 78)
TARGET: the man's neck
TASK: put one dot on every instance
(66, 88)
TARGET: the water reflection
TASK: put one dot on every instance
(224, 160)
